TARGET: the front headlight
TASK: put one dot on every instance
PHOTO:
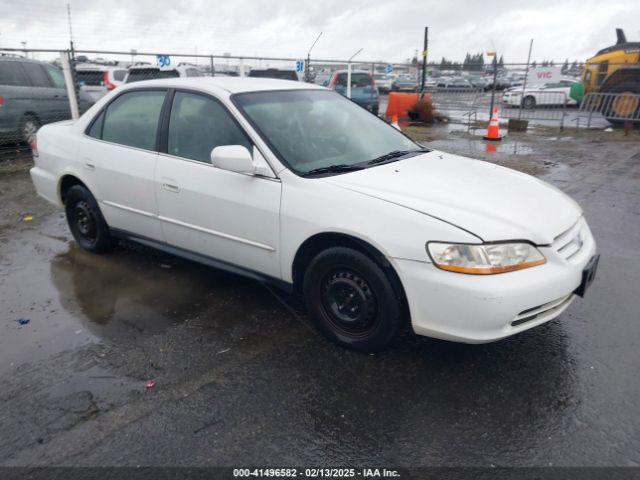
(484, 259)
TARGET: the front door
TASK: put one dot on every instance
(221, 214)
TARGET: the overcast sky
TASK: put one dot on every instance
(389, 30)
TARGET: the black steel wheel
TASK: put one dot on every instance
(86, 221)
(529, 102)
(351, 300)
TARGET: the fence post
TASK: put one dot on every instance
(71, 89)
(213, 68)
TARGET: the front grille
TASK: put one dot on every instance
(546, 309)
(570, 242)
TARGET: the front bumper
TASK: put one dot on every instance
(485, 308)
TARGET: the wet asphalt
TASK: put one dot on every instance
(241, 380)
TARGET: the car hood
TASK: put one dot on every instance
(492, 202)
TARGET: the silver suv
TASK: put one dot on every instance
(32, 93)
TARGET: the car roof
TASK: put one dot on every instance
(228, 84)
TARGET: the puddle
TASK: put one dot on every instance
(73, 298)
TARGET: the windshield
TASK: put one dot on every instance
(314, 129)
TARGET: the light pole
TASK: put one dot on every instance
(349, 73)
(306, 66)
(24, 47)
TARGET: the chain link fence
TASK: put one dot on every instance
(34, 86)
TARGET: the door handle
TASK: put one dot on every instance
(89, 166)
(171, 188)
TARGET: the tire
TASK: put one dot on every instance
(529, 102)
(615, 110)
(29, 125)
(86, 221)
(351, 300)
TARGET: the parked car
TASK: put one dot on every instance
(294, 185)
(281, 74)
(455, 84)
(404, 84)
(548, 94)
(363, 88)
(97, 80)
(138, 73)
(383, 81)
(322, 78)
(32, 93)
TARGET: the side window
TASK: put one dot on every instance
(11, 74)
(56, 76)
(198, 124)
(37, 76)
(132, 119)
(96, 128)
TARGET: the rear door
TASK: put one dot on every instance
(50, 103)
(221, 214)
(119, 157)
(16, 98)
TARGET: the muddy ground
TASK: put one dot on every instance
(241, 380)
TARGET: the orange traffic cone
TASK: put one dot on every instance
(394, 121)
(493, 132)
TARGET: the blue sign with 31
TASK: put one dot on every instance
(300, 66)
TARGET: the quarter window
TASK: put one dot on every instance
(198, 124)
(11, 74)
(96, 128)
(132, 119)
(56, 76)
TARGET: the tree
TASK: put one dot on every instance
(565, 67)
(501, 62)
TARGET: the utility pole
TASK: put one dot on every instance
(349, 73)
(526, 74)
(306, 65)
(424, 60)
(495, 75)
(73, 56)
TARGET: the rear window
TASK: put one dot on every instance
(278, 74)
(90, 78)
(357, 80)
(11, 74)
(119, 75)
(194, 72)
(140, 74)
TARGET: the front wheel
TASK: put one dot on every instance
(86, 221)
(351, 300)
(529, 102)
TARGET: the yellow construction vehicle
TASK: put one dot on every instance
(615, 70)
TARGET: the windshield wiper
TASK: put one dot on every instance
(395, 155)
(333, 169)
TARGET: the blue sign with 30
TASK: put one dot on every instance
(163, 60)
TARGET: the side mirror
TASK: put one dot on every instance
(234, 158)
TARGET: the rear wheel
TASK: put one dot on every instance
(29, 127)
(351, 300)
(86, 221)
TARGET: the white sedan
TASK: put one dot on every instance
(546, 95)
(294, 185)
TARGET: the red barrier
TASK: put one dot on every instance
(400, 103)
